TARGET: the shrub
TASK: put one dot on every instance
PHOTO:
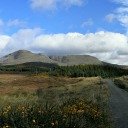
(120, 83)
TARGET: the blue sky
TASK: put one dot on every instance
(94, 27)
(84, 18)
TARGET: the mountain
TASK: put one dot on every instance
(24, 56)
(76, 60)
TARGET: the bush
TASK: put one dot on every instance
(119, 83)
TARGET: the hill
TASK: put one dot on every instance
(23, 61)
(71, 60)
(24, 56)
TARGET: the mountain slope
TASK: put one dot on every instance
(76, 60)
(23, 56)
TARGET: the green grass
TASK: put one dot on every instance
(72, 113)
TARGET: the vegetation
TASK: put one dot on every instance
(31, 67)
(104, 71)
(122, 82)
(53, 102)
(89, 71)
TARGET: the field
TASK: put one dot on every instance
(40, 101)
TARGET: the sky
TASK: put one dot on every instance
(62, 27)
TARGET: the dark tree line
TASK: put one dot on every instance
(70, 71)
(89, 71)
(31, 67)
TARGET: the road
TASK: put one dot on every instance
(118, 105)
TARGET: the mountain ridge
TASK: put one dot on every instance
(70, 60)
(24, 56)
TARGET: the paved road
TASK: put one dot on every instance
(118, 105)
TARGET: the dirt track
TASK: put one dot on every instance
(118, 105)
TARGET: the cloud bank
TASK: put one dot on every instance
(107, 46)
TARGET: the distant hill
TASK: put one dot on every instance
(76, 60)
(23, 61)
(24, 56)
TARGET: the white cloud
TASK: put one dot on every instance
(86, 23)
(122, 10)
(120, 14)
(16, 23)
(22, 39)
(12, 23)
(53, 4)
(43, 4)
(73, 2)
(123, 2)
(110, 18)
(123, 19)
(107, 46)
(4, 40)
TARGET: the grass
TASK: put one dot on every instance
(54, 102)
(122, 82)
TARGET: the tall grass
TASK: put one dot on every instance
(122, 82)
(80, 105)
(72, 113)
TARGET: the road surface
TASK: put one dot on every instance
(118, 105)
